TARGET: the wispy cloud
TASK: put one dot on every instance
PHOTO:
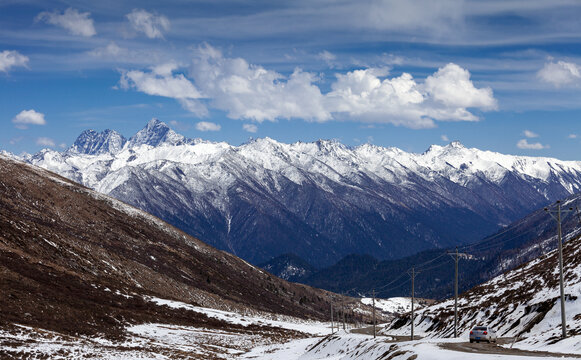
(328, 58)
(251, 128)
(572, 136)
(16, 140)
(75, 22)
(560, 73)
(524, 144)
(112, 50)
(207, 126)
(45, 141)
(12, 58)
(28, 117)
(153, 26)
(445, 138)
(529, 134)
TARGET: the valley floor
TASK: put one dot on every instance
(346, 346)
(162, 341)
(259, 340)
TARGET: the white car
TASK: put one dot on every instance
(482, 333)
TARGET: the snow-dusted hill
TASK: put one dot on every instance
(523, 303)
(319, 200)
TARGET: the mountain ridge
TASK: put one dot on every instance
(321, 200)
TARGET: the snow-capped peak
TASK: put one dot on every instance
(456, 144)
(156, 133)
(91, 142)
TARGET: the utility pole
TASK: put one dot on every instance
(332, 327)
(374, 313)
(413, 276)
(456, 256)
(558, 219)
(343, 312)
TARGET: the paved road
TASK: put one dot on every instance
(477, 348)
(484, 348)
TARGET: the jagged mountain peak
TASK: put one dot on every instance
(91, 142)
(156, 133)
(456, 144)
(439, 149)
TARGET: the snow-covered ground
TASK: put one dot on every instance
(522, 303)
(394, 305)
(281, 321)
(345, 346)
(166, 341)
(163, 341)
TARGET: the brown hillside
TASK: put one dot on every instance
(75, 261)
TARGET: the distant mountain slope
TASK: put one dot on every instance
(289, 267)
(321, 200)
(79, 262)
(521, 241)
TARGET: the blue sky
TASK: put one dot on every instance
(497, 75)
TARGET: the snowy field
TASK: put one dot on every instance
(394, 305)
(280, 321)
(163, 341)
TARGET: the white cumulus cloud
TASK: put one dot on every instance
(363, 95)
(207, 126)
(529, 134)
(524, 144)
(161, 81)
(560, 73)
(251, 128)
(75, 22)
(28, 117)
(45, 141)
(451, 86)
(251, 92)
(12, 58)
(153, 26)
(572, 136)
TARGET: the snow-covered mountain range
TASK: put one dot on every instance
(320, 200)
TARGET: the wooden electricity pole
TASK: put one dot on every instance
(374, 313)
(413, 276)
(332, 327)
(561, 285)
(456, 256)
